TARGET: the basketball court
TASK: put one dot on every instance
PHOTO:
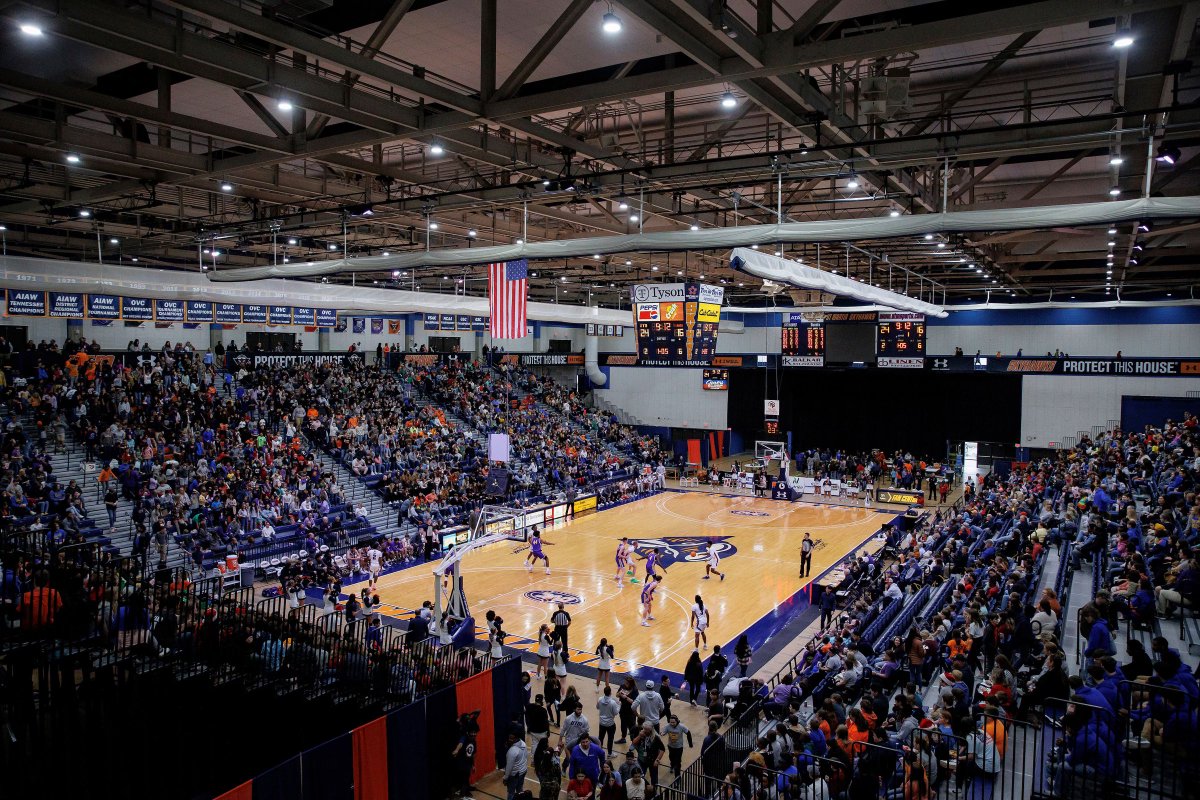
(759, 541)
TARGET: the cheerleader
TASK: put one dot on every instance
(497, 639)
(545, 643)
(604, 655)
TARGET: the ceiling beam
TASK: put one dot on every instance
(807, 22)
(982, 74)
(977, 177)
(375, 42)
(545, 45)
(263, 114)
(1058, 173)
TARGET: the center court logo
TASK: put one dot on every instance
(672, 549)
(743, 513)
(551, 596)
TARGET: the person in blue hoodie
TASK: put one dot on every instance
(1099, 641)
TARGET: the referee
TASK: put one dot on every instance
(562, 621)
(806, 548)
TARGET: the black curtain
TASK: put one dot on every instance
(915, 410)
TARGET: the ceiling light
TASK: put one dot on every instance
(291, 241)
(893, 213)
(728, 100)
(1122, 40)
(1112, 244)
(977, 269)
(701, 277)
(435, 148)
(1167, 153)
(596, 257)
(695, 227)
(679, 272)
(519, 241)
(29, 29)
(3, 227)
(134, 258)
(114, 240)
(941, 245)
(633, 217)
(216, 252)
(929, 237)
(1115, 161)
(1114, 191)
(333, 247)
(610, 22)
(1112, 231)
(1133, 262)
(853, 184)
(753, 247)
(207, 251)
(72, 158)
(654, 269)
(226, 186)
(628, 263)
(545, 181)
(779, 252)
(433, 226)
(83, 212)
(471, 234)
(622, 206)
(1137, 245)
(284, 105)
(286, 259)
(1168, 294)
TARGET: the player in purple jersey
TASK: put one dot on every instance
(535, 551)
(651, 562)
(648, 590)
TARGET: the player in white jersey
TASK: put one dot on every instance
(624, 560)
(700, 620)
(710, 566)
(374, 564)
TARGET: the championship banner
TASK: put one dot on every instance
(25, 303)
(103, 306)
(376, 327)
(66, 304)
(168, 311)
(394, 326)
(254, 314)
(199, 311)
(432, 322)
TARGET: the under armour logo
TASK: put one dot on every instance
(941, 363)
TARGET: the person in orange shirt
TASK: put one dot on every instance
(958, 645)
(994, 727)
(857, 727)
(40, 605)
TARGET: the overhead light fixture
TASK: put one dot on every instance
(207, 251)
(1112, 231)
(654, 269)
(83, 212)
(114, 240)
(3, 227)
(893, 213)
(596, 257)
(433, 226)
(628, 263)
(1144, 227)
(1133, 262)
(284, 104)
(729, 100)
(1112, 243)
(941, 245)
(977, 269)
(1137, 245)
(216, 252)
(1167, 154)
(333, 247)
(72, 158)
(1114, 191)
(471, 234)
(292, 242)
(701, 277)
(29, 29)
(545, 181)
(622, 206)
(779, 252)
(633, 217)
(853, 183)
(610, 23)
(1122, 40)
(753, 247)
(929, 237)
(133, 259)
(386, 253)
(286, 259)
(435, 148)
(520, 241)
(1115, 161)
(226, 186)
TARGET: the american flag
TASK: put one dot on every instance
(506, 298)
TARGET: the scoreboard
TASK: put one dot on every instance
(802, 341)
(900, 340)
(676, 323)
(716, 380)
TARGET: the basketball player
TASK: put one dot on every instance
(374, 564)
(700, 617)
(651, 562)
(710, 567)
(624, 560)
(535, 551)
(806, 549)
(648, 598)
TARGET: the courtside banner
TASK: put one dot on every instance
(271, 361)
(1069, 365)
(552, 359)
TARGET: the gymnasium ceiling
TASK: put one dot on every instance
(162, 122)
